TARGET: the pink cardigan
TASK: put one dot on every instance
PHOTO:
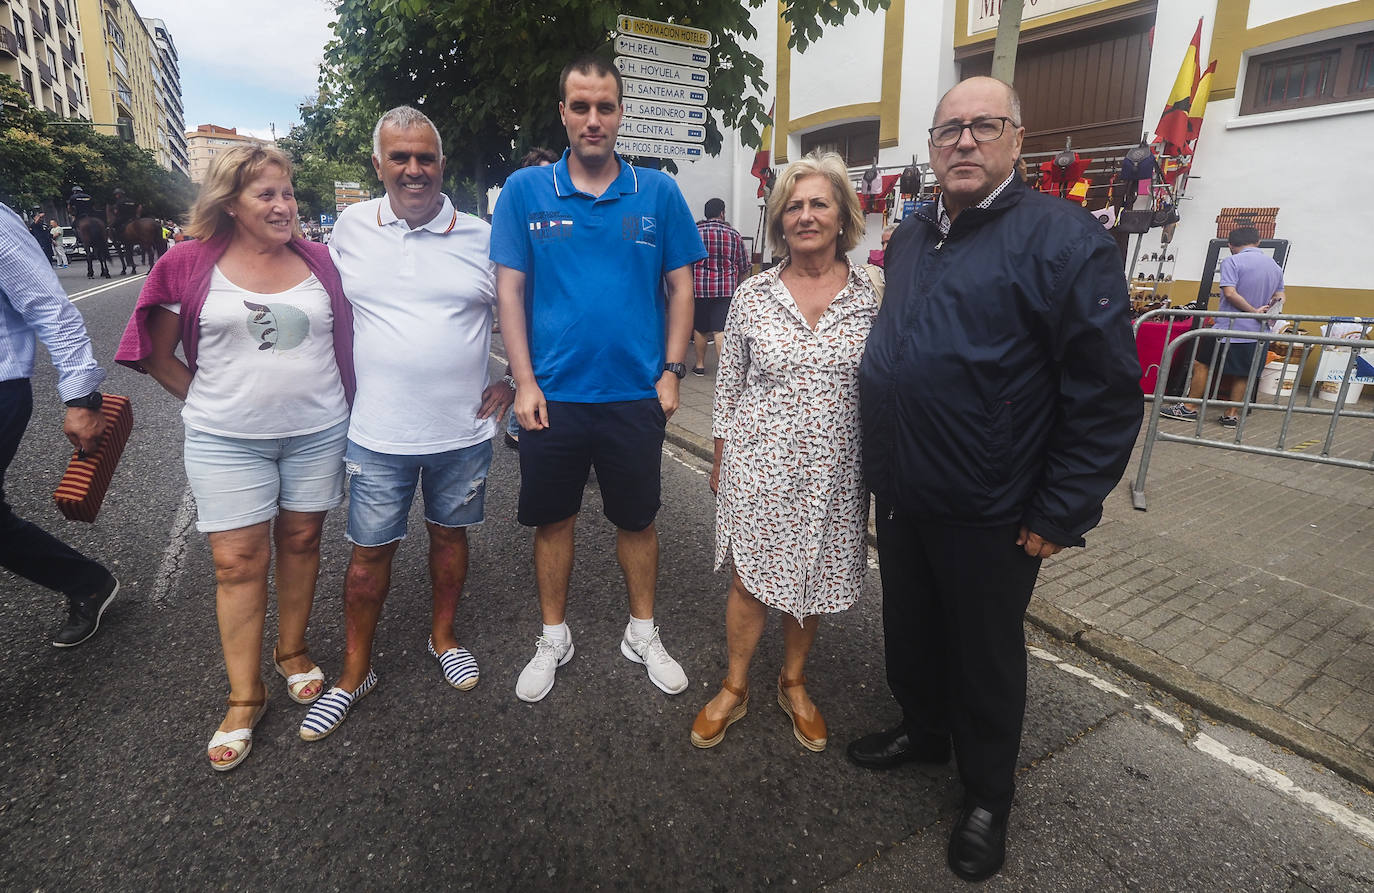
(182, 276)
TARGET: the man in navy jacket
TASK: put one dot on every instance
(1000, 403)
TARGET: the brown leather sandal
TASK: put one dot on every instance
(810, 732)
(296, 682)
(237, 737)
(710, 732)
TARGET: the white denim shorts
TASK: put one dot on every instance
(242, 481)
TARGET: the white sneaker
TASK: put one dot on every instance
(664, 672)
(536, 680)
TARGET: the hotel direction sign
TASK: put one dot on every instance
(657, 91)
(662, 130)
(664, 111)
(643, 48)
(649, 69)
(665, 31)
(634, 146)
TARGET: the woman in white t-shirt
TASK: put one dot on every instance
(267, 334)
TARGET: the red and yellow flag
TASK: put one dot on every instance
(1198, 105)
(762, 158)
(1172, 129)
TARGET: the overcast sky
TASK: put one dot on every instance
(245, 63)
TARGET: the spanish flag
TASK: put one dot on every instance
(1172, 129)
(764, 154)
(1199, 102)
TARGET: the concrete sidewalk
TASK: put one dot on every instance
(1246, 589)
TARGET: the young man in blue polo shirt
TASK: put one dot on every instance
(584, 249)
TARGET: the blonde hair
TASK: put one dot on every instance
(230, 172)
(830, 166)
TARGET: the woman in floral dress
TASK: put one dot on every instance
(791, 507)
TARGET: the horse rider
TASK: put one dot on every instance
(80, 204)
(126, 211)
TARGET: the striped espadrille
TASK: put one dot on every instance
(329, 711)
(459, 666)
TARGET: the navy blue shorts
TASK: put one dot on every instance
(622, 441)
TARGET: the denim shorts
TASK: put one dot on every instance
(242, 481)
(381, 487)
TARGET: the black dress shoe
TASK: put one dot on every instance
(892, 748)
(83, 615)
(978, 843)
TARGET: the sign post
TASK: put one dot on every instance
(663, 67)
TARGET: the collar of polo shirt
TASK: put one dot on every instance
(626, 182)
(442, 222)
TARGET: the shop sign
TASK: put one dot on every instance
(680, 34)
(625, 45)
(662, 130)
(629, 145)
(664, 111)
(656, 91)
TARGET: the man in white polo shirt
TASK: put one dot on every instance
(422, 287)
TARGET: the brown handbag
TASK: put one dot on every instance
(83, 486)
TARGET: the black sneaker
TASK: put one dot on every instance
(1229, 421)
(83, 615)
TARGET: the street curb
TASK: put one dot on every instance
(1212, 697)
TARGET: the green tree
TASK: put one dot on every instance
(331, 143)
(487, 73)
(41, 159)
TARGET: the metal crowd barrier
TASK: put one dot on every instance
(1187, 345)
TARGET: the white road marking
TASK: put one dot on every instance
(693, 466)
(1337, 813)
(91, 292)
(1340, 815)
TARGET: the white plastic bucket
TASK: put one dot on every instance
(1331, 371)
(1269, 378)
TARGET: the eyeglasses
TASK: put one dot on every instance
(983, 130)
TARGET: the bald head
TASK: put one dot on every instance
(983, 87)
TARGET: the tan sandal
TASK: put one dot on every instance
(710, 732)
(296, 682)
(231, 738)
(810, 732)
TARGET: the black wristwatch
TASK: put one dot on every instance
(677, 369)
(90, 401)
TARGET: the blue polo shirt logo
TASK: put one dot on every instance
(545, 226)
(640, 230)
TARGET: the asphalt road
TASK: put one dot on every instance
(104, 783)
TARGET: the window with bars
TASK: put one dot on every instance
(1336, 70)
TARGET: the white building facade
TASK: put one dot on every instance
(1288, 126)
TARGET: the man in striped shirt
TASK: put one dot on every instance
(33, 306)
(714, 279)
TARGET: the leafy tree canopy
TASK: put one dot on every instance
(41, 160)
(487, 73)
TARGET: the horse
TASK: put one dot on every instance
(90, 229)
(146, 234)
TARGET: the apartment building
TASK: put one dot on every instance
(40, 47)
(121, 67)
(208, 140)
(171, 126)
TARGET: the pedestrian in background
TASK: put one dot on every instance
(791, 508)
(42, 234)
(59, 250)
(714, 278)
(33, 307)
(596, 320)
(267, 335)
(1000, 404)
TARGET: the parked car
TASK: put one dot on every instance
(70, 243)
